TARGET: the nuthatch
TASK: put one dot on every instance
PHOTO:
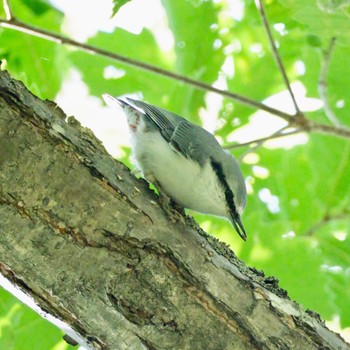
(185, 162)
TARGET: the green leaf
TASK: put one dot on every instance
(331, 6)
(38, 7)
(338, 82)
(311, 181)
(117, 4)
(335, 266)
(23, 329)
(103, 74)
(324, 20)
(197, 48)
(313, 40)
(39, 63)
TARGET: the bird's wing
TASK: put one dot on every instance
(182, 135)
(166, 121)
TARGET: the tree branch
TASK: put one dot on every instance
(59, 39)
(275, 135)
(344, 215)
(328, 129)
(322, 84)
(298, 121)
(261, 8)
(8, 11)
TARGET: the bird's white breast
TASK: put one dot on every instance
(183, 180)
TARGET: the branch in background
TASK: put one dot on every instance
(322, 84)
(329, 129)
(344, 215)
(261, 9)
(8, 11)
(260, 142)
(279, 133)
(298, 121)
(59, 39)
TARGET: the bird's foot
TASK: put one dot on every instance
(173, 210)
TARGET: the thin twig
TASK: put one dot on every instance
(329, 129)
(326, 219)
(7, 9)
(28, 29)
(259, 143)
(322, 84)
(261, 8)
(275, 135)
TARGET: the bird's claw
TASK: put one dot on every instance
(173, 210)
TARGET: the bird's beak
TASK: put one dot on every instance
(237, 224)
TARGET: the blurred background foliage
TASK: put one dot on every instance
(297, 217)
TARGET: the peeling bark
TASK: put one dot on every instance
(88, 241)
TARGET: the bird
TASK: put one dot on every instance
(185, 162)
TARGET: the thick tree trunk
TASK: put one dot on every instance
(88, 241)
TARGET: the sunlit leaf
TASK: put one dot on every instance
(37, 62)
(23, 329)
(117, 4)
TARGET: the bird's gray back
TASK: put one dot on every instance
(187, 138)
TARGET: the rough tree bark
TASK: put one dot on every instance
(88, 241)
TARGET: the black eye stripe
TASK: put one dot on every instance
(217, 167)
